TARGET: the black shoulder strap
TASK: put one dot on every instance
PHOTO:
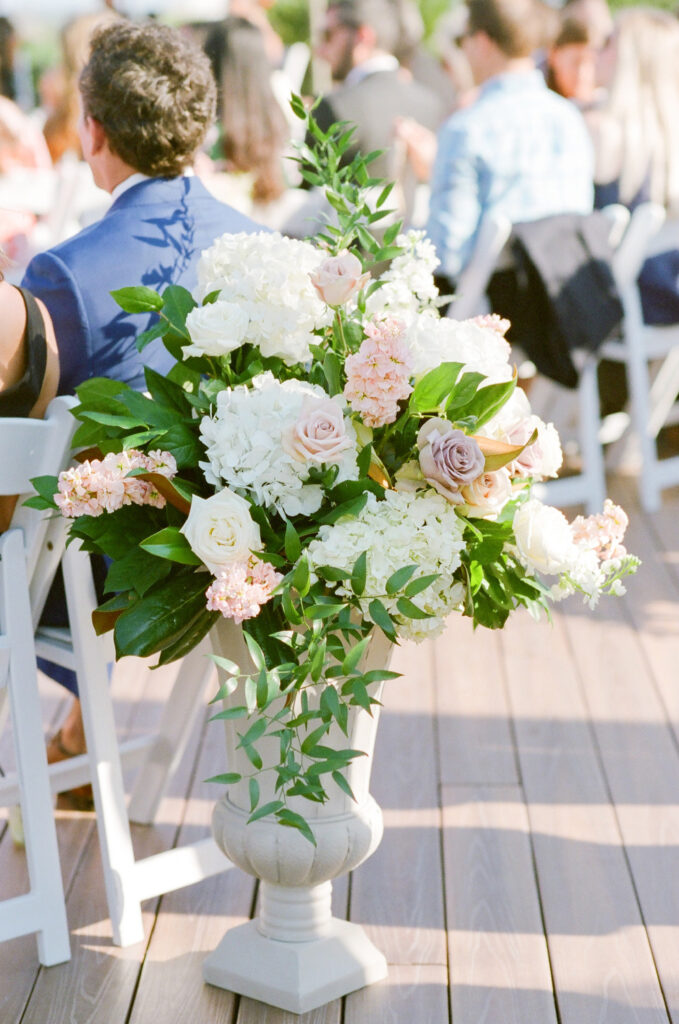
(19, 399)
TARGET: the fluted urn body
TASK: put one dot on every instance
(295, 954)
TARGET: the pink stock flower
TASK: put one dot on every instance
(602, 533)
(378, 375)
(103, 485)
(492, 321)
(240, 590)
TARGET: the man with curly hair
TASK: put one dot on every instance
(148, 98)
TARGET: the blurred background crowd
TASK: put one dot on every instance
(400, 70)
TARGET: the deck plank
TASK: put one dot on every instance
(397, 893)
(599, 949)
(499, 966)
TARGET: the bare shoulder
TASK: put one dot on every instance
(13, 314)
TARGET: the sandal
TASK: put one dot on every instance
(80, 798)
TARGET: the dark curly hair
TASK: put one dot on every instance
(153, 92)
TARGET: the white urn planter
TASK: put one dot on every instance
(295, 955)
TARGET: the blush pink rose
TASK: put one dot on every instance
(449, 459)
(488, 494)
(338, 278)
(319, 435)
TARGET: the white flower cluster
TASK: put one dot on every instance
(408, 283)
(548, 545)
(265, 297)
(434, 340)
(252, 442)
(404, 529)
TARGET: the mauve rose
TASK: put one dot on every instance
(319, 435)
(338, 278)
(448, 458)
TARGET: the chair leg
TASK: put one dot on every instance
(183, 705)
(639, 386)
(102, 746)
(46, 906)
(590, 445)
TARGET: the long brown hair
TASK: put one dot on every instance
(254, 130)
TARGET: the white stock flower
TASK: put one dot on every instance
(434, 340)
(216, 329)
(403, 529)
(245, 446)
(220, 530)
(408, 284)
(267, 275)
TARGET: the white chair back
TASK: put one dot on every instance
(30, 448)
(470, 293)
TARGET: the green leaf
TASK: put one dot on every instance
(406, 607)
(161, 616)
(488, 400)
(229, 713)
(354, 656)
(138, 299)
(434, 387)
(151, 412)
(347, 508)
(293, 545)
(177, 304)
(265, 809)
(293, 820)
(136, 570)
(331, 369)
(146, 337)
(380, 616)
(227, 778)
(171, 544)
(332, 573)
(253, 788)
(112, 419)
(465, 390)
(300, 577)
(229, 666)
(359, 573)
(190, 638)
(183, 442)
(256, 652)
(399, 578)
(421, 583)
(324, 611)
(339, 780)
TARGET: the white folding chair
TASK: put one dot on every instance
(128, 881)
(30, 448)
(651, 358)
(470, 291)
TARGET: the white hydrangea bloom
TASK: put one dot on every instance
(409, 281)
(244, 441)
(403, 529)
(434, 340)
(267, 276)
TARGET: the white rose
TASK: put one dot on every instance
(220, 530)
(319, 435)
(216, 329)
(544, 538)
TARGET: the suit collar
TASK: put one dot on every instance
(159, 190)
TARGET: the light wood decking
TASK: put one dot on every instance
(529, 871)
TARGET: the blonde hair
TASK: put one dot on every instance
(643, 101)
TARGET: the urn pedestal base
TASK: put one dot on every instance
(295, 976)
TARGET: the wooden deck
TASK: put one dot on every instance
(529, 871)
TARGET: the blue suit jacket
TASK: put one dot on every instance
(152, 234)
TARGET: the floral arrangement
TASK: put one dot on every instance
(327, 457)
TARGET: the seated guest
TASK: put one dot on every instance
(636, 139)
(148, 99)
(29, 364)
(518, 149)
(358, 40)
(253, 131)
(140, 147)
(571, 64)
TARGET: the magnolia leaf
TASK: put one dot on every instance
(168, 491)
(171, 544)
(138, 299)
(499, 453)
